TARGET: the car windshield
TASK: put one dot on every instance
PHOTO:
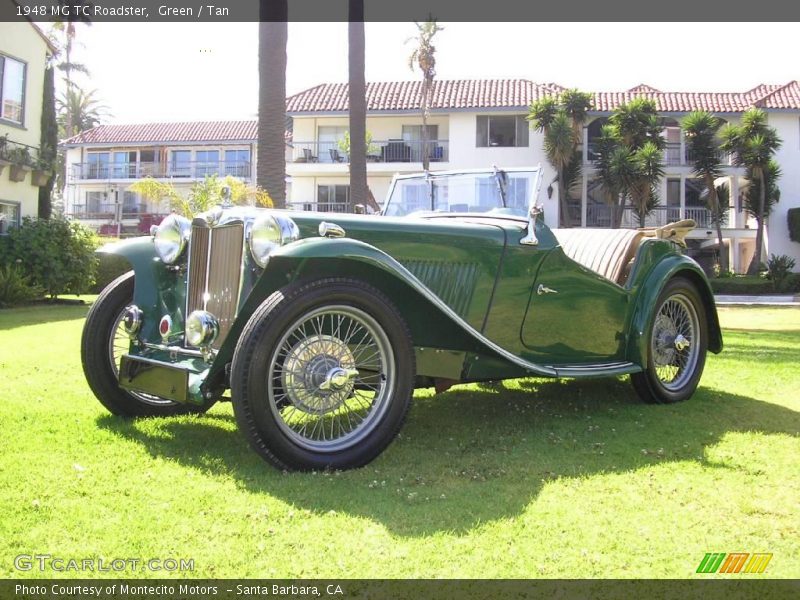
(484, 192)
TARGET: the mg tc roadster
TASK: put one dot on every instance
(321, 325)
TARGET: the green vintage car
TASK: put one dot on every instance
(321, 325)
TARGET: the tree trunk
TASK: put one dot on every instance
(271, 159)
(565, 220)
(69, 126)
(713, 203)
(358, 104)
(762, 200)
(426, 92)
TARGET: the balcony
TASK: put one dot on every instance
(672, 155)
(379, 151)
(599, 215)
(176, 170)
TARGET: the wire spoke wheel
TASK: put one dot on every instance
(330, 378)
(677, 345)
(673, 343)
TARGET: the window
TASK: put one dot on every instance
(12, 89)
(237, 163)
(124, 165)
(333, 198)
(501, 131)
(98, 165)
(207, 162)
(9, 216)
(97, 203)
(412, 135)
(329, 137)
(180, 163)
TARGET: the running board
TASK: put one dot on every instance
(596, 369)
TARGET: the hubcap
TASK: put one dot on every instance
(674, 342)
(330, 378)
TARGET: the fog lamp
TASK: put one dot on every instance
(202, 328)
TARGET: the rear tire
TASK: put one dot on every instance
(677, 343)
(322, 375)
(103, 342)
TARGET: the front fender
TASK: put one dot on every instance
(676, 265)
(431, 322)
(158, 290)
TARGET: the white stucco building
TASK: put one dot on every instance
(472, 124)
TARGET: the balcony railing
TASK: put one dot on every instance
(672, 155)
(185, 170)
(379, 151)
(600, 215)
(334, 207)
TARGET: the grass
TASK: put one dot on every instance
(532, 478)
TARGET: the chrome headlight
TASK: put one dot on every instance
(202, 328)
(268, 233)
(171, 236)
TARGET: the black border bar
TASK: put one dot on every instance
(544, 11)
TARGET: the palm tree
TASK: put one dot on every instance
(358, 104)
(701, 130)
(561, 121)
(63, 34)
(271, 162)
(753, 144)
(424, 55)
(631, 150)
(83, 108)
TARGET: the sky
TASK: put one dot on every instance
(208, 71)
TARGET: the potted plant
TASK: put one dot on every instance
(20, 158)
(42, 171)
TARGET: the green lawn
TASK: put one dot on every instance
(531, 479)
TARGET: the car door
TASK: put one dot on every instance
(574, 315)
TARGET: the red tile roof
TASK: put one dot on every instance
(406, 95)
(447, 95)
(199, 131)
(519, 93)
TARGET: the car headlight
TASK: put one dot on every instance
(268, 233)
(171, 236)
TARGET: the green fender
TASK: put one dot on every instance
(158, 290)
(432, 323)
(643, 313)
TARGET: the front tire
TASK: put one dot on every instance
(677, 345)
(103, 343)
(322, 375)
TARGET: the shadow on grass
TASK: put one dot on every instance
(41, 313)
(470, 457)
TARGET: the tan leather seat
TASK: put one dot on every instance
(604, 251)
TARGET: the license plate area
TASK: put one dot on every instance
(138, 374)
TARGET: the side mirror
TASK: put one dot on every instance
(530, 238)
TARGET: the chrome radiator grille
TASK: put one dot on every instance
(215, 270)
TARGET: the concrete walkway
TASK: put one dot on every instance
(775, 300)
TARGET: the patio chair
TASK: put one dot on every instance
(335, 155)
(308, 156)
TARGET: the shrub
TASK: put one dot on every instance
(15, 287)
(793, 218)
(741, 285)
(778, 267)
(56, 254)
(109, 267)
